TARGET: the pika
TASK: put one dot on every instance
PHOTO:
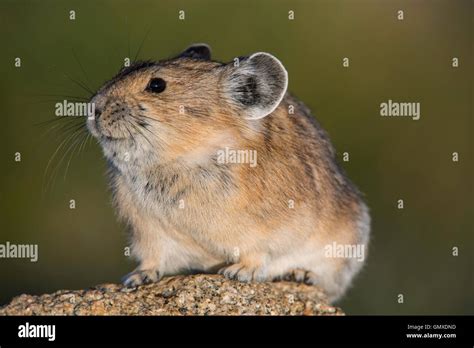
(178, 134)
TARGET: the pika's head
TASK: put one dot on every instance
(185, 106)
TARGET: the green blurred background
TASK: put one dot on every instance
(390, 158)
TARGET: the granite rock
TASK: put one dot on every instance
(180, 295)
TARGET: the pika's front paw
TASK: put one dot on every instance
(242, 273)
(141, 276)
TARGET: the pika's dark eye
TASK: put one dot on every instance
(156, 85)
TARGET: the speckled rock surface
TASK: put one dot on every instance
(180, 295)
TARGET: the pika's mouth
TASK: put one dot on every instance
(111, 129)
(98, 132)
(128, 131)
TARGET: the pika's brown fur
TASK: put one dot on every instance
(188, 210)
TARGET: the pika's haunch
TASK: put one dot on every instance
(178, 135)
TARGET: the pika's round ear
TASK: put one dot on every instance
(257, 83)
(197, 51)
